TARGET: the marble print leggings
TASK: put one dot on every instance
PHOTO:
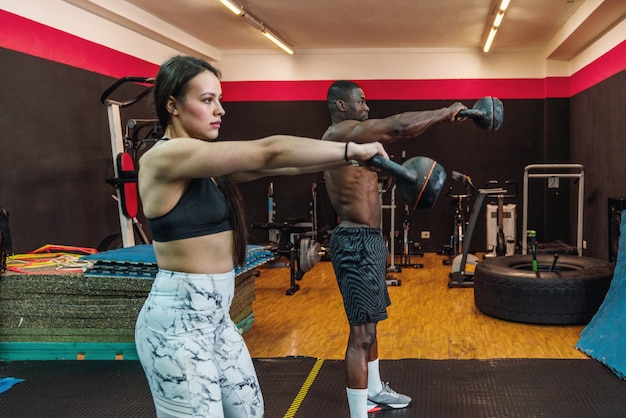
(193, 355)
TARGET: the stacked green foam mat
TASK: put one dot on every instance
(54, 316)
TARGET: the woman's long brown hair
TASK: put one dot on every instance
(172, 80)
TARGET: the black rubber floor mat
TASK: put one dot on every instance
(521, 388)
(504, 388)
(281, 379)
(76, 389)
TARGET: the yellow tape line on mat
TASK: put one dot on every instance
(295, 405)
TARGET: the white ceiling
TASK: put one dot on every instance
(560, 28)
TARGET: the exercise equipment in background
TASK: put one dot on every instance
(300, 248)
(325, 218)
(552, 173)
(125, 151)
(408, 246)
(294, 239)
(539, 291)
(303, 243)
(501, 220)
(273, 234)
(464, 264)
(460, 201)
(387, 184)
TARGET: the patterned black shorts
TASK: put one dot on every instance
(359, 257)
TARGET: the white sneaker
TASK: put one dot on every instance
(390, 398)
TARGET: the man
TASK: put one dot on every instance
(358, 250)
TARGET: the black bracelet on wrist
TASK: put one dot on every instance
(345, 154)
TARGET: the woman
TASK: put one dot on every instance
(195, 359)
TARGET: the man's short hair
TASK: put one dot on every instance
(339, 91)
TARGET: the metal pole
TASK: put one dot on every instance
(117, 146)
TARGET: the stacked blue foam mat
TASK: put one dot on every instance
(139, 261)
(604, 339)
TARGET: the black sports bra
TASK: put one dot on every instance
(202, 210)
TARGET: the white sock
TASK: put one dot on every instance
(357, 401)
(374, 385)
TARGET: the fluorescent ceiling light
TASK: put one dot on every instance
(498, 19)
(255, 23)
(233, 8)
(496, 24)
(492, 34)
(277, 41)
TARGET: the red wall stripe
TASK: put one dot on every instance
(450, 89)
(604, 67)
(32, 38)
(29, 37)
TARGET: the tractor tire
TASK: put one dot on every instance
(508, 288)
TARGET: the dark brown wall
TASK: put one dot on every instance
(598, 140)
(56, 155)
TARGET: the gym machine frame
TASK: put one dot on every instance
(127, 224)
(501, 239)
(463, 278)
(392, 232)
(405, 257)
(565, 172)
(302, 249)
(456, 239)
(405, 260)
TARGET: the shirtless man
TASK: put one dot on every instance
(358, 250)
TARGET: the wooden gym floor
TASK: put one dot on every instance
(427, 320)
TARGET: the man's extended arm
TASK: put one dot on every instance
(392, 128)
